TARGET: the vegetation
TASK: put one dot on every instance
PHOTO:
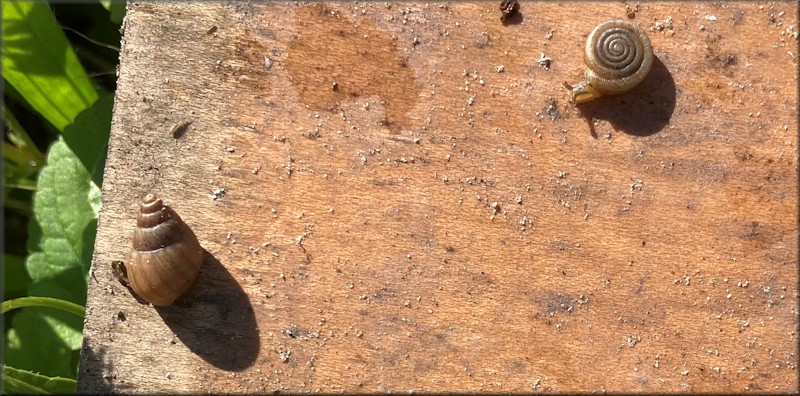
(59, 68)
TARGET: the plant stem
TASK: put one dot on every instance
(30, 301)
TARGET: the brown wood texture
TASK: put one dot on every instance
(404, 200)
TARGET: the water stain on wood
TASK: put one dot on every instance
(753, 236)
(362, 61)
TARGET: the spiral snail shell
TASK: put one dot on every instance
(166, 256)
(619, 56)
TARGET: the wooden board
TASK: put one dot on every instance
(404, 200)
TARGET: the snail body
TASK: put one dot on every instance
(619, 56)
(166, 256)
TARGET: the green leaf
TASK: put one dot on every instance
(62, 232)
(65, 207)
(88, 136)
(19, 137)
(17, 381)
(118, 9)
(45, 341)
(21, 159)
(41, 65)
(19, 169)
(58, 263)
(15, 278)
(59, 258)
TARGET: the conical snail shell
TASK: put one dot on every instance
(166, 255)
(619, 56)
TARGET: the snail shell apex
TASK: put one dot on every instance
(166, 255)
(619, 56)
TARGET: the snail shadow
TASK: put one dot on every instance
(96, 372)
(642, 111)
(215, 319)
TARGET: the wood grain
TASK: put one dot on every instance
(405, 200)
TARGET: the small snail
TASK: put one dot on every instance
(166, 255)
(619, 56)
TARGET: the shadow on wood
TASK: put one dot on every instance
(96, 372)
(216, 321)
(642, 111)
(513, 19)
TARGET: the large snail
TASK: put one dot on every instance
(166, 256)
(619, 56)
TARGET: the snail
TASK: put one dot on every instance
(166, 256)
(619, 56)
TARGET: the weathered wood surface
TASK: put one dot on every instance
(433, 224)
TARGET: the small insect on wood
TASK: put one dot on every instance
(180, 128)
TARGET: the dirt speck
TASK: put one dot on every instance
(551, 109)
(630, 11)
(284, 354)
(218, 193)
(509, 9)
(544, 61)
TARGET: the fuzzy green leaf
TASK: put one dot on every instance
(41, 65)
(59, 258)
(61, 242)
(65, 207)
(23, 382)
(62, 232)
(87, 137)
(44, 340)
(50, 341)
